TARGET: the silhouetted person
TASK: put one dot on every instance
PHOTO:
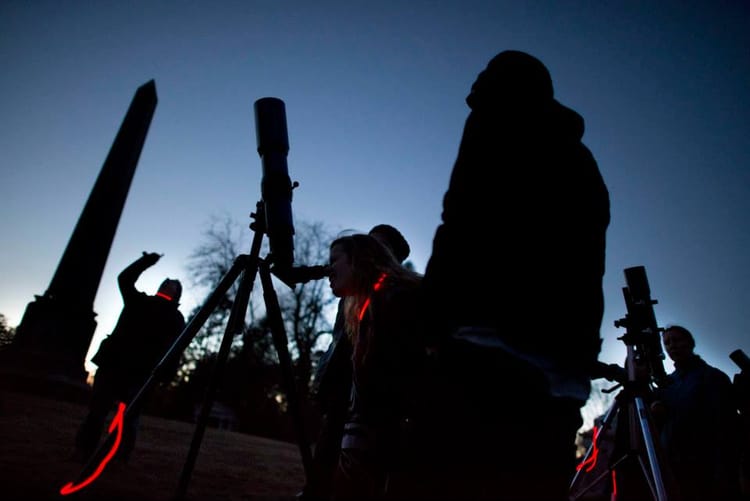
(146, 329)
(699, 426)
(333, 382)
(741, 386)
(380, 320)
(513, 292)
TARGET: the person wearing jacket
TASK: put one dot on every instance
(332, 384)
(380, 319)
(699, 426)
(145, 330)
(513, 298)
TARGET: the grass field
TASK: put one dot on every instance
(36, 437)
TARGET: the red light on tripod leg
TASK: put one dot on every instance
(117, 423)
(590, 461)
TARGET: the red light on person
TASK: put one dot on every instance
(375, 287)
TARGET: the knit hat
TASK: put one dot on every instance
(393, 239)
(514, 78)
(172, 288)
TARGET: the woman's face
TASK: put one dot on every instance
(341, 275)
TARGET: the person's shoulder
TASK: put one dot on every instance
(177, 314)
(137, 297)
(710, 374)
(717, 373)
(400, 292)
(399, 303)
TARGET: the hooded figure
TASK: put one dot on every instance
(513, 289)
(522, 243)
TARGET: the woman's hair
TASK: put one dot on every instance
(370, 262)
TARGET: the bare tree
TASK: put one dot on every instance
(305, 308)
(207, 265)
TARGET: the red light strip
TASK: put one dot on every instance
(614, 486)
(117, 422)
(375, 287)
(590, 462)
(165, 296)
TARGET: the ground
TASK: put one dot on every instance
(36, 437)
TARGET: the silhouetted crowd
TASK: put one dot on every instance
(467, 381)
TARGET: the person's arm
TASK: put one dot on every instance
(127, 277)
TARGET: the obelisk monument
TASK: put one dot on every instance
(55, 332)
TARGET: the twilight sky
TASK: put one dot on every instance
(374, 95)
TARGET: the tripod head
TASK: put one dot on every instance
(642, 332)
(290, 275)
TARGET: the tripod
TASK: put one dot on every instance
(248, 266)
(635, 467)
(628, 426)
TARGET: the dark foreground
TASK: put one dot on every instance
(36, 434)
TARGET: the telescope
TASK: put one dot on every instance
(741, 359)
(276, 193)
(275, 186)
(642, 332)
(635, 450)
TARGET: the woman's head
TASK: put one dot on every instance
(356, 263)
(360, 267)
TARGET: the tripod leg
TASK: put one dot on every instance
(591, 458)
(641, 472)
(656, 480)
(280, 342)
(234, 326)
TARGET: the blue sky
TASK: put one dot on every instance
(374, 94)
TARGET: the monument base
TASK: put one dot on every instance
(34, 373)
(48, 352)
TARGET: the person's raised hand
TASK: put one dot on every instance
(151, 258)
